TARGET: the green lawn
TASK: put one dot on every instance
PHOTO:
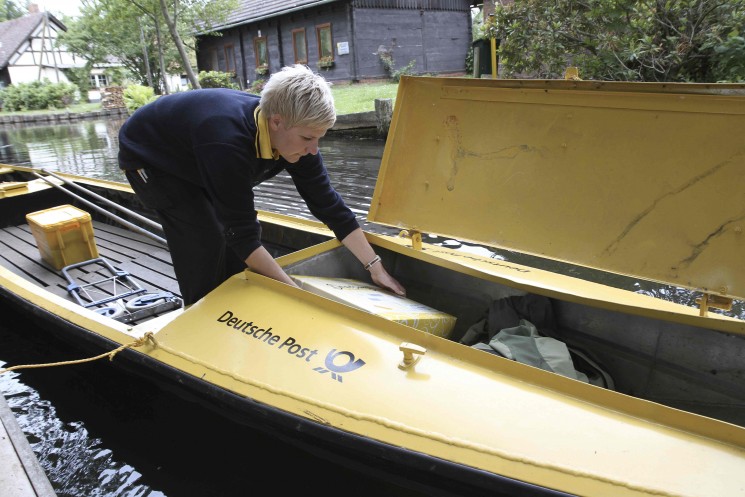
(73, 109)
(360, 97)
(349, 99)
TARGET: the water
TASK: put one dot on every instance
(99, 432)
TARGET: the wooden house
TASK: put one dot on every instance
(347, 40)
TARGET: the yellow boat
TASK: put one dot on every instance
(629, 180)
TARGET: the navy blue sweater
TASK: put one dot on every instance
(207, 137)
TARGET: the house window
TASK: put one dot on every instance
(262, 56)
(325, 43)
(300, 45)
(99, 81)
(229, 59)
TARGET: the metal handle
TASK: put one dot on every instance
(412, 354)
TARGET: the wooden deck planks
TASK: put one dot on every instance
(146, 261)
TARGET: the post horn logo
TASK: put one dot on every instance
(338, 363)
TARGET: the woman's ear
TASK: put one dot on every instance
(275, 121)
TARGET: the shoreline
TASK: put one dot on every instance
(357, 123)
(61, 117)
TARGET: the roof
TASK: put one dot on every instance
(249, 11)
(15, 32)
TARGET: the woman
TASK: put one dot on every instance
(194, 157)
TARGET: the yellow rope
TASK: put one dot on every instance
(137, 343)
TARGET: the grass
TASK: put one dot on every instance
(73, 109)
(360, 97)
(349, 99)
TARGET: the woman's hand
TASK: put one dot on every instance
(357, 243)
(384, 280)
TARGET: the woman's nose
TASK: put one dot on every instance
(312, 148)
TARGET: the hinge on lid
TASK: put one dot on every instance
(708, 300)
(416, 238)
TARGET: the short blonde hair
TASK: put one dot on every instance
(300, 96)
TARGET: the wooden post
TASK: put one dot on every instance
(383, 114)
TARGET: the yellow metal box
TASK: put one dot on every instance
(64, 235)
(371, 298)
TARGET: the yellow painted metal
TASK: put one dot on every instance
(640, 179)
(572, 73)
(341, 366)
(559, 286)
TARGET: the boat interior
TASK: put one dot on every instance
(131, 276)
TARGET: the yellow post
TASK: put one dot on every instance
(493, 58)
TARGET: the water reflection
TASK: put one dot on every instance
(86, 148)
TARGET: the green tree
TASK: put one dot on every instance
(628, 40)
(104, 31)
(10, 10)
(137, 34)
(183, 19)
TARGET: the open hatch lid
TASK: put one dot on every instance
(640, 179)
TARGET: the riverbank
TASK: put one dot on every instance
(373, 122)
(57, 117)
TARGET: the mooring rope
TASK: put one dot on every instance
(137, 343)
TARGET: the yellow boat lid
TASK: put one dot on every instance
(640, 179)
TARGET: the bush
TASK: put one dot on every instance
(80, 77)
(38, 95)
(257, 86)
(389, 64)
(216, 79)
(135, 96)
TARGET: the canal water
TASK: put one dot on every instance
(100, 432)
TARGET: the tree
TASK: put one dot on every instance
(104, 30)
(186, 16)
(10, 10)
(628, 40)
(172, 28)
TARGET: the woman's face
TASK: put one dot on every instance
(295, 142)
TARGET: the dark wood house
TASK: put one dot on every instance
(347, 40)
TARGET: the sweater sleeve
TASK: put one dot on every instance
(314, 185)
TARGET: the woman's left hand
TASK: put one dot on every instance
(384, 280)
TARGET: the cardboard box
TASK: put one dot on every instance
(64, 235)
(370, 298)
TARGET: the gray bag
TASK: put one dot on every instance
(523, 328)
(523, 344)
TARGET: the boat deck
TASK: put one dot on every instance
(145, 261)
